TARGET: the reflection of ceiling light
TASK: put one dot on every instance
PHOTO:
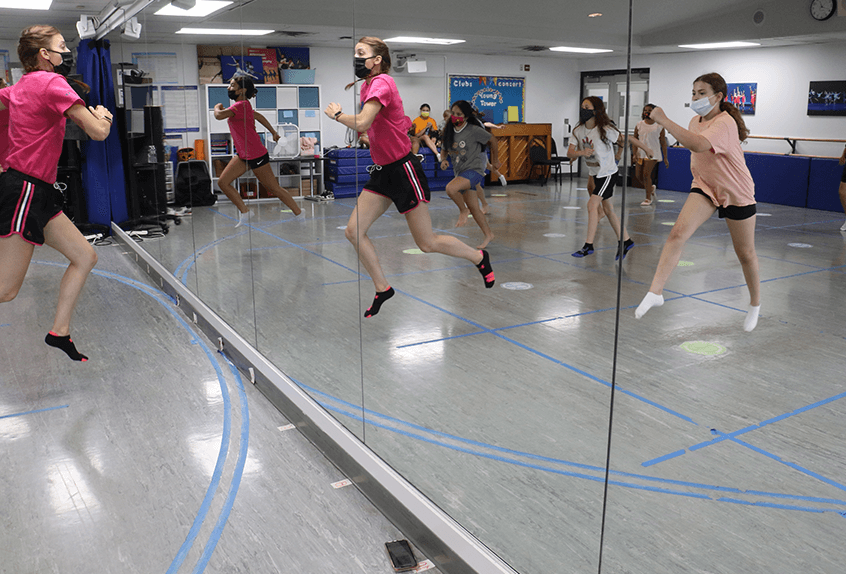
(224, 32)
(717, 45)
(580, 50)
(26, 4)
(415, 40)
(595, 15)
(200, 9)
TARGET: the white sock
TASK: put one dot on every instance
(751, 317)
(244, 218)
(843, 227)
(504, 182)
(651, 300)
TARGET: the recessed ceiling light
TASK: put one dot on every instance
(580, 50)
(200, 9)
(717, 45)
(595, 15)
(26, 4)
(416, 40)
(224, 32)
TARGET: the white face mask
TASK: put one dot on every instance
(702, 106)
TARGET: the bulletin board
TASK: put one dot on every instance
(494, 96)
(163, 67)
(4, 66)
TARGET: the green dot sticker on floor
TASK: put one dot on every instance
(685, 263)
(554, 235)
(414, 251)
(666, 201)
(703, 348)
(570, 207)
(499, 195)
(286, 211)
(800, 245)
(516, 286)
(670, 223)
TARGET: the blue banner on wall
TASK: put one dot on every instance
(491, 95)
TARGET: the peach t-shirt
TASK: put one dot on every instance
(721, 172)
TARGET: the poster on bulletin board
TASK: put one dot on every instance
(501, 99)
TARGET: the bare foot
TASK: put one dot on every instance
(488, 239)
(485, 207)
(462, 218)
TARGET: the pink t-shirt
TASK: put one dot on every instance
(721, 172)
(242, 126)
(4, 137)
(388, 133)
(37, 106)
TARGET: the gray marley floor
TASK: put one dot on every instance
(155, 456)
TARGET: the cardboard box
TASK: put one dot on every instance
(305, 186)
(248, 190)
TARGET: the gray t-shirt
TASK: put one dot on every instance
(466, 151)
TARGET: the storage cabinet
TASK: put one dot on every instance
(280, 104)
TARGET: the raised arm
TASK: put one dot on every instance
(361, 121)
(221, 113)
(636, 143)
(96, 122)
(690, 140)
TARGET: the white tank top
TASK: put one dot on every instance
(649, 135)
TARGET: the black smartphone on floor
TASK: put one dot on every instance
(401, 556)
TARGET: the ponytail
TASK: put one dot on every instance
(380, 48)
(718, 84)
(742, 130)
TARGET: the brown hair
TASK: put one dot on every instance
(600, 115)
(32, 40)
(379, 49)
(718, 84)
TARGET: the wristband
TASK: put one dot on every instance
(338, 113)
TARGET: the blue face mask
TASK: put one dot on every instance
(702, 106)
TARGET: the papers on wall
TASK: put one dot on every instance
(181, 108)
(161, 66)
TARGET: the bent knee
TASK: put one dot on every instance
(8, 293)
(426, 246)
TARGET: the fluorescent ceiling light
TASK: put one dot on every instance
(200, 9)
(415, 40)
(26, 4)
(224, 32)
(717, 45)
(580, 50)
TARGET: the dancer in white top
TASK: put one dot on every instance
(655, 138)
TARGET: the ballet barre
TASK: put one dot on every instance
(792, 143)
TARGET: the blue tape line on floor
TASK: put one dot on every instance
(33, 412)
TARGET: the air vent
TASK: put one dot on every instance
(535, 48)
(295, 34)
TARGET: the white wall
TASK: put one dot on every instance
(782, 74)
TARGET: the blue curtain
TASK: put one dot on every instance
(102, 170)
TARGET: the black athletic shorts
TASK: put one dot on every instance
(257, 162)
(733, 212)
(402, 181)
(604, 186)
(27, 205)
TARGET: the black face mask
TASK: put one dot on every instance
(67, 62)
(233, 95)
(361, 70)
(585, 115)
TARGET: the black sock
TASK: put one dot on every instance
(486, 270)
(381, 297)
(587, 246)
(66, 344)
(627, 244)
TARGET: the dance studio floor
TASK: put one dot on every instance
(156, 455)
(727, 447)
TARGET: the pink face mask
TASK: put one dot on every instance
(457, 121)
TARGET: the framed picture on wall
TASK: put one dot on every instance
(827, 98)
(743, 96)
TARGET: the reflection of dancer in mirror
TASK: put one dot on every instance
(249, 151)
(842, 189)
(654, 136)
(30, 206)
(595, 138)
(721, 182)
(397, 176)
(464, 142)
